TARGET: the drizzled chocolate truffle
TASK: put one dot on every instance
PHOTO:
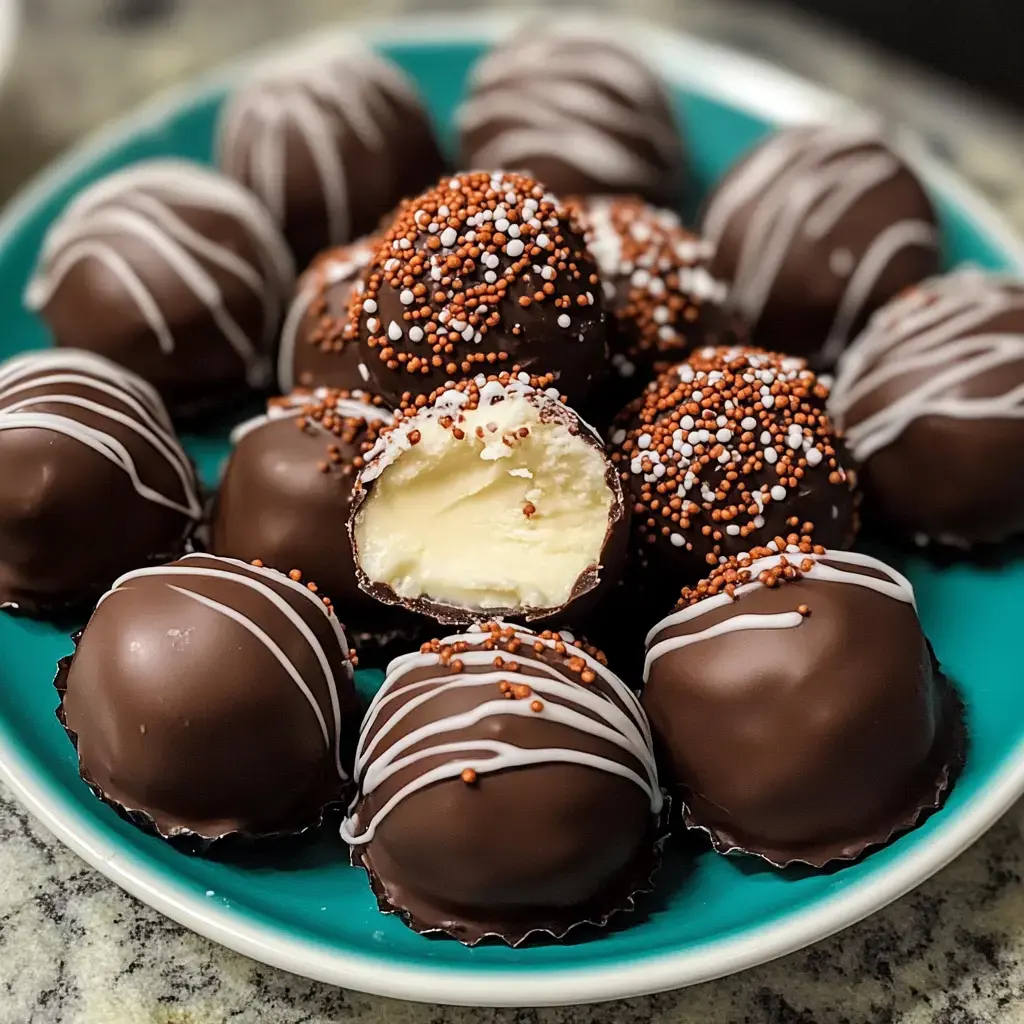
(173, 271)
(815, 229)
(729, 451)
(492, 499)
(209, 697)
(662, 301)
(93, 480)
(577, 109)
(319, 347)
(800, 708)
(479, 741)
(287, 492)
(481, 273)
(931, 397)
(330, 138)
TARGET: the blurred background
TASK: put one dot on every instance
(950, 68)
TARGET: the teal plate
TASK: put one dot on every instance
(313, 914)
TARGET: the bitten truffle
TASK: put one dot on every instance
(173, 271)
(799, 707)
(506, 786)
(814, 230)
(480, 273)
(330, 138)
(662, 301)
(286, 495)
(578, 109)
(931, 397)
(319, 347)
(731, 450)
(493, 499)
(93, 481)
(209, 697)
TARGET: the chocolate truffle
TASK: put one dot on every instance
(815, 229)
(93, 480)
(330, 138)
(575, 108)
(481, 273)
(173, 271)
(209, 697)
(662, 301)
(506, 786)
(287, 492)
(800, 708)
(319, 347)
(931, 397)
(731, 450)
(494, 499)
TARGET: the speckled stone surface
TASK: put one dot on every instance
(74, 948)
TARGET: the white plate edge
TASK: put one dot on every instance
(703, 67)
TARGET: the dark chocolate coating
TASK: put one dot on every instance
(349, 137)
(816, 228)
(182, 714)
(535, 847)
(318, 345)
(239, 274)
(276, 503)
(577, 110)
(945, 473)
(517, 328)
(71, 519)
(806, 743)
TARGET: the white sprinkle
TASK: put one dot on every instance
(394, 331)
(370, 306)
(436, 273)
(490, 276)
(443, 211)
(758, 522)
(643, 441)
(449, 237)
(406, 298)
(661, 315)
(547, 273)
(501, 225)
(778, 493)
(514, 248)
(404, 243)
(725, 457)
(415, 333)
(618, 436)
(767, 400)
(210, 892)
(725, 434)
(372, 324)
(771, 456)
(659, 470)
(733, 530)
(748, 423)
(513, 230)
(564, 320)
(687, 423)
(543, 241)
(392, 264)
(766, 437)
(677, 539)
(813, 456)
(364, 372)
(686, 450)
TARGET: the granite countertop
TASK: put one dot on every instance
(74, 948)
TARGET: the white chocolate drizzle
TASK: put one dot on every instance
(259, 579)
(802, 182)
(57, 378)
(310, 93)
(558, 101)
(938, 333)
(142, 204)
(289, 405)
(349, 265)
(615, 716)
(831, 567)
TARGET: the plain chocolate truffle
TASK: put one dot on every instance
(209, 697)
(93, 480)
(506, 786)
(798, 706)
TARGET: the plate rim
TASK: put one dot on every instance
(716, 71)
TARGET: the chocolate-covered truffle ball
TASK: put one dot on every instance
(286, 496)
(330, 138)
(506, 786)
(931, 398)
(173, 271)
(728, 451)
(815, 229)
(576, 108)
(208, 697)
(481, 273)
(319, 346)
(93, 480)
(662, 301)
(494, 499)
(800, 708)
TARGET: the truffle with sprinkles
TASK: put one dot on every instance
(730, 450)
(662, 300)
(480, 273)
(477, 740)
